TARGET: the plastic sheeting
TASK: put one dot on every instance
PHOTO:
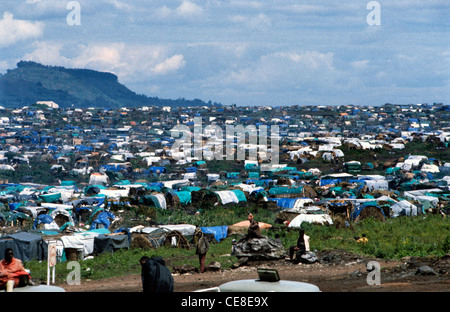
(103, 218)
(185, 197)
(291, 203)
(26, 246)
(323, 219)
(220, 232)
(110, 243)
(403, 208)
(227, 197)
(184, 229)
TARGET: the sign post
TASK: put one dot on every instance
(51, 262)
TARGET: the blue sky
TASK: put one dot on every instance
(284, 52)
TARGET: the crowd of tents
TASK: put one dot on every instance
(85, 219)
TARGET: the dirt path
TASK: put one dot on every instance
(340, 273)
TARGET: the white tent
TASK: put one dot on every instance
(227, 197)
(430, 168)
(323, 219)
(403, 208)
(98, 178)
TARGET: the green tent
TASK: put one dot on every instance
(190, 189)
(50, 198)
(184, 196)
(150, 200)
(240, 195)
(285, 190)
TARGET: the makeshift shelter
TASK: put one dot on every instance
(352, 167)
(403, 208)
(103, 220)
(322, 219)
(156, 200)
(111, 242)
(50, 198)
(184, 197)
(61, 216)
(98, 179)
(366, 210)
(220, 232)
(26, 246)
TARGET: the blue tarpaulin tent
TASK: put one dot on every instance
(220, 232)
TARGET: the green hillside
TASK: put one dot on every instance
(31, 82)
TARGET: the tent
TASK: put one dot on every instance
(184, 196)
(157, 200)
(110, 243)
(323, 219)
(103, 219)
(26, 246)
(233, 196)
(220, 232)
(353, 166)
(403, 208)
(291, 203)
(50, 198)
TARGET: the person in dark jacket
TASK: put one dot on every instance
(155, 276)
(202, 249)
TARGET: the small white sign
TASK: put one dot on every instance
(51, 262)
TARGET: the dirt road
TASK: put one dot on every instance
(335, 272)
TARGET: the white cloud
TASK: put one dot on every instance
(126, 61)
(15, 30)
(186, 10)
(169, 65)
(259, 22)
(281, 71)
(189, 9)
(47, 53)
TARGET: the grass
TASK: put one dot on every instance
(419, 236)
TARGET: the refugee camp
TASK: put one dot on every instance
(98, 192)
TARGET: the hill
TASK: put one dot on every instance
(31, 82)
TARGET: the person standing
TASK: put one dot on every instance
(155, 276)
(202, 249)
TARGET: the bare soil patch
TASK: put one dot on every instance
(336, 271)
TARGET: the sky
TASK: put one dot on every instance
(272, 53)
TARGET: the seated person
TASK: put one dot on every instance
(12, 272)
(253, 230)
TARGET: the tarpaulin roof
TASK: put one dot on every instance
(184, 196)
(220, 232)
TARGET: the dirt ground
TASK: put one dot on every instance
(336, 271)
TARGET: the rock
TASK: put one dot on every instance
(264, 248)
(240, 262)
(426, 270)
(214, 266)
(356, 274)
(308, 258)
(184, 269)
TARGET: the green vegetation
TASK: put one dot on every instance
(396, 238)
(31, 82)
